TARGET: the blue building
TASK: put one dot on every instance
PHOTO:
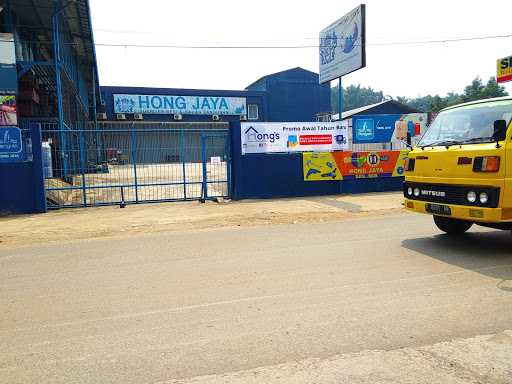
(294, 95)
(52, 76)
(291, 95)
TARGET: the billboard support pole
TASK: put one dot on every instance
(340, 98)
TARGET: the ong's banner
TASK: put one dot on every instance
(189, 105)
(353, 165)
(293, 137)
(387, 128)
(342, 46)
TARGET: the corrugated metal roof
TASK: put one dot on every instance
(358, 111)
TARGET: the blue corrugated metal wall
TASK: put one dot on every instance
(294, 95)
(22, 184)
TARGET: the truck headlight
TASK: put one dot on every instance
(471, 196)
(409, 191)
(416, 192)
(484, 198)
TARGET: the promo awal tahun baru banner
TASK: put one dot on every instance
(293, 137)
(353, 165)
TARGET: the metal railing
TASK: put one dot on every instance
(140, 163)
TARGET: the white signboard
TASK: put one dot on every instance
(342, 46)
(293, 137)
(189, 105)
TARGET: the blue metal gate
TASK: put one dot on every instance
(132, 162)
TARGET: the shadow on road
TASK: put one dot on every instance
(488, 253)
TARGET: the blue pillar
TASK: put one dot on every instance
(58, 83)
(38, 174)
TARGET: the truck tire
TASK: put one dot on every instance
(452, 226)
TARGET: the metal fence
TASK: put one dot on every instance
(116, 163)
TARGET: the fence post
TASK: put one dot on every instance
(228, 164)
(37, 164)
(134, 159)
(204, 192)
(182, 155)
(83, 165)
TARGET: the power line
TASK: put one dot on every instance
(308, 46)
(180, 46)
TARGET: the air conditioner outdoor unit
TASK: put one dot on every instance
(178, 116)
(215, 117)
(101, 116)
(243, 117)
(138, 116)
(120, 116)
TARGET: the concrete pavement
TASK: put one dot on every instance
(154, 308)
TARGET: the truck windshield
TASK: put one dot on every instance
(467, 124)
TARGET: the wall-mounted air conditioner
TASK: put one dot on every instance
(101, 116)
(138, 116)
(120, 116)
(215, 117)
(178, 116)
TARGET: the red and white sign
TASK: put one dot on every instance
(315, 139)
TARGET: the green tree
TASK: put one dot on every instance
(355, 96)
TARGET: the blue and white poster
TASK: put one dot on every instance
(8, 71)
(185, 105)
(11, 147)
(387, 128)
(342, 46)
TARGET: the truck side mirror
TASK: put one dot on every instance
(500, 130)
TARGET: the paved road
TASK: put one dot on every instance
(151, 308)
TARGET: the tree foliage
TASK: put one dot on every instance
(356, 96)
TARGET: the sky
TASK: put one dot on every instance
(409, 70)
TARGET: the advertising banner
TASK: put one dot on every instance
(293, 137)
(356, 165)
(11, 149)
(353, 165)
(8, 114)
(320, 166)
(504, 70)
(387, 128)
(342, 46)
(189, 105)
(8, 72)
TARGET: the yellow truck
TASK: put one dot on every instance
(461, 169)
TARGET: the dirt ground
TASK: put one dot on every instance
(86, 223)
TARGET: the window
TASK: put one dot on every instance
(252, 110)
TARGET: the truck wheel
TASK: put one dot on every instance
(452, 226)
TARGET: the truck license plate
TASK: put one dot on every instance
(438, 209)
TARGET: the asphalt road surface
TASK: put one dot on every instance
(152, 308)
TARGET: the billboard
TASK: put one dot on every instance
(504, 70)
(293, 137)
(342, 45)
(387, 128)
(353, 165)
(8, 72)
(189, 105)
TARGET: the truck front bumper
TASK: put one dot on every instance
(469, 213)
